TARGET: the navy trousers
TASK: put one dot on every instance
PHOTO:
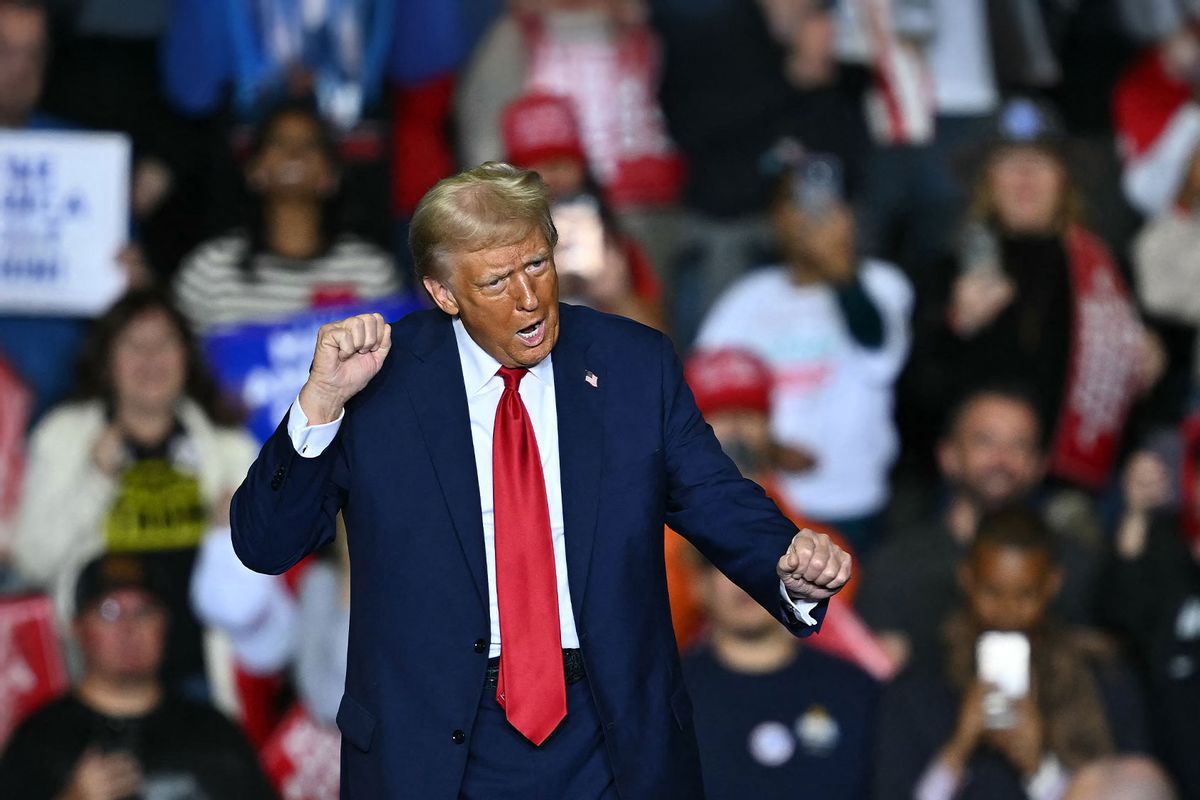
(570, 765)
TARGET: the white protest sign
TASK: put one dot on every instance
(64, 215)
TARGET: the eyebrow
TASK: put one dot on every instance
(487, 278)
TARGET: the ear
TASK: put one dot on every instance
(443, 298)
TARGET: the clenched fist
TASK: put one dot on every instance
(349, 354)
(813, 568)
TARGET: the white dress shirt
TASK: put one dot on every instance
(484, 388)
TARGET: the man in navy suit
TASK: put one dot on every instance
(505, 471)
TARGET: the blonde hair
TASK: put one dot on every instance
(492, 205)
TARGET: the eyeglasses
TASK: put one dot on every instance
(111, 610)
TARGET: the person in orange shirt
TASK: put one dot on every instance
(733, 391)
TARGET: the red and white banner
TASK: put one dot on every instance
(303, 758)
(900, 106)
(612, 82)
(31, 664)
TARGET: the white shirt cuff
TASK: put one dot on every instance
(1051, 780)
(938, 783)
(310, 440)
(801, 608)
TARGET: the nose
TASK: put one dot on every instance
(527, 299)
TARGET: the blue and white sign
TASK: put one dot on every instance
(264, 365)
(65, 216)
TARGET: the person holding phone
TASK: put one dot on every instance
(599, 264)
(1018, 304)
(1018, 703)
(834, 328)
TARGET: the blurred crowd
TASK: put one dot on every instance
(934, 270)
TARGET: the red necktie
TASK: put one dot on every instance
(531, 688)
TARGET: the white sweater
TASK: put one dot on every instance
(66, 496)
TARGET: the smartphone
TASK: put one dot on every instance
(580, 249)
(979, 250)
(1002, 662)
(817, 185)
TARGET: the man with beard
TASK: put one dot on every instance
(991, 457)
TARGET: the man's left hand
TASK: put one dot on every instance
(813, 568)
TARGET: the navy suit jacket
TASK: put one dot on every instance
(634, 452)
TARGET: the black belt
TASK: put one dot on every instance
(572, 668)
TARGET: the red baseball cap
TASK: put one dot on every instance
(538, 127)
(729, 379)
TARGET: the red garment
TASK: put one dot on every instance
(642, 278)
(901, 104)
(421, 153)
(32, 671)
(1145, 101)
(531, 688)
(16, 404)
(1158, 131)
(613, 83)
(260, 697)
(1190, 492)
(302, 758)
(1102, 379)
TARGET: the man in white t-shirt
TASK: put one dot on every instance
(835, 330)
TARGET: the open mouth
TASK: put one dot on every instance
(534, 334)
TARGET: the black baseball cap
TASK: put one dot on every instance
(112, 572)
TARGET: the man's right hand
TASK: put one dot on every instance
(349, 354)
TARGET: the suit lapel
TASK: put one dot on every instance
(440, 402)
(580, 450)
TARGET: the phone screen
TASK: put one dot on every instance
(1002, 662)
(580, 249)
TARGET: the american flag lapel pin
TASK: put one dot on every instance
(591, 379)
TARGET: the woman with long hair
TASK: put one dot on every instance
(1036, 298)
(292, 253)
(143, 460)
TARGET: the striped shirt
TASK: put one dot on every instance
(213, 289)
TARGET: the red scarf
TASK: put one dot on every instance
(1189, 497)
(1102, 380)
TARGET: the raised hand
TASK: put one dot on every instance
(813, 568)
(978, 298)
(349, 354)
(1024, 743)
